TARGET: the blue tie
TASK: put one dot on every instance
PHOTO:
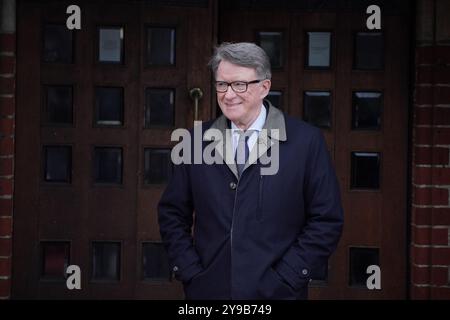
(242, 151)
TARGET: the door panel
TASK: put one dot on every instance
(86, 188)
(193, 43)
(374, 219)
(105, 211)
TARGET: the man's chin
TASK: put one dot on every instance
(232, 116)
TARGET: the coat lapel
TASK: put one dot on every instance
(274, 128)
(220, 133)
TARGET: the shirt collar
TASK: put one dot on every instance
(257, 125)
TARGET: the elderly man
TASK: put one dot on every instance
(255, 235)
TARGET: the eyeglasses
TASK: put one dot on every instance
(237, 86)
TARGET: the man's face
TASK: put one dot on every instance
(241, 108)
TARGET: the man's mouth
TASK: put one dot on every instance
(232, 105)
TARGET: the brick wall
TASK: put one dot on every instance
(430, 223)
(7, 122)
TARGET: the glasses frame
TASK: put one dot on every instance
(231, 84)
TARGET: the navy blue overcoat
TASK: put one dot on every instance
(258, 236)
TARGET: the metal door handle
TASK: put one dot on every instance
(196, 94)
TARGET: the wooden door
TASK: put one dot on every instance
(329, 70)
(96, 106)
(95, 110)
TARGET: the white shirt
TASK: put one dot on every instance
(256, 126)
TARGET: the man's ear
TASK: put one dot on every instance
(266, 84)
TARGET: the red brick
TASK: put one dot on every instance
(442, 54)
(440, 293)
(439, 196)
(422, 216)
(5, 288)
(6, 186)
(7, 85)
(424, 74)
(7, 42)
(6, 166)
(423, 116)
(7, 64)
(439, 236)
(6, 146)
(421, 236)
(5, 227)
(423, 136)
(5, 267)
(6, 207)
(420, 275)
(420, 293)
(7, 126)
(440, 216)
(420, 255)
(433, 74)
(441, 75)
(441, 135)
(433, 55)
(424, 55)
(441, 116)
(431, 155)
(432, 95)
(423, 95)
(431, 216)
(441, 95)
(5, 247)
(440, 256)
(7, 106)
(430, 196)
(441, 176)
(422, 175)
(439, 276)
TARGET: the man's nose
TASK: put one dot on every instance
(230, 93)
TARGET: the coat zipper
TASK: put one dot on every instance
(260, 198)
(234, 209)
(231, 236)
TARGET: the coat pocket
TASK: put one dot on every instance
(214, 281)
(260, 207)
(272, 287)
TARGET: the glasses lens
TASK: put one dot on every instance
(239, 86)
(221, 86)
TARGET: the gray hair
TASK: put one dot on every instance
(244, 54)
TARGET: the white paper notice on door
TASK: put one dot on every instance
(319, 49)
(110, 49)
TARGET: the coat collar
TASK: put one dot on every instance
(274, 120)
(274, 128)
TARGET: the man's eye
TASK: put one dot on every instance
(239, 83)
